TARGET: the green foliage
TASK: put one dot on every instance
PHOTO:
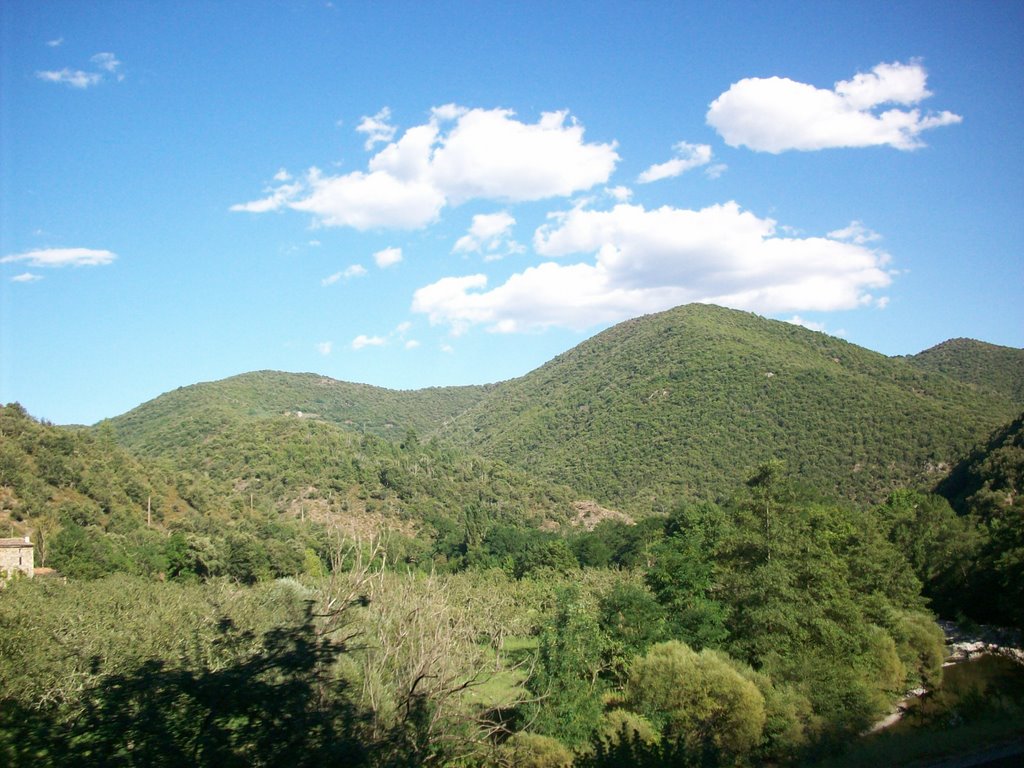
(620, 726)
(698, 697)
(275, 705)
(533, 750)
(980, 572)
(631, 620)
(566, 679)
(683, 403)
(986, 366)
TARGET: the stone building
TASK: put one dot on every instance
(16, 555)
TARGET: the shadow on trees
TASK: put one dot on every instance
(629, 749)
(275, 704)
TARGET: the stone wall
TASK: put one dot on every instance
(16, 555)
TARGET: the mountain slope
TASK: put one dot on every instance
(986, 366)
(344, 454)
(188, 414)
(686, 402)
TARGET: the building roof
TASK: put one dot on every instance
(21, 541)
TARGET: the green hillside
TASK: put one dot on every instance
(346, 455)
(686, 402)
(189, 413)
(986, 366)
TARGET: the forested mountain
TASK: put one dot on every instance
(190, 413)
(682, 404)
(687, 402)
(986, 366)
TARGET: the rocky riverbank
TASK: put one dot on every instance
(966, 644)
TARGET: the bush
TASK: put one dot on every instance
(701, 698)
(531, 750)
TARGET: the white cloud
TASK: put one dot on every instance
(106, 61)
(355, 270)
(620, 193)
(458, 155)
(56, 43)
(362, 340)
(62, 257)
(26, 277)
(377, 128)
(282, 175)
(411, 344)
(278, 198)
(488, 154)
(75, 78)
(488, 235)
(715, 171)
(855, 232)
(325, 347)
(649, 260)
(403, 327)
(777, 114)
(368, 201)
(387, 257)
(688, 156)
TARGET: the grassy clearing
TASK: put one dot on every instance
(505, 686)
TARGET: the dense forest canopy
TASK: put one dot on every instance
(700, 538)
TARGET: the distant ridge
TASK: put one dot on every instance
(987, 366)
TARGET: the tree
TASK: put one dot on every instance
(698, 697)
(565, 681)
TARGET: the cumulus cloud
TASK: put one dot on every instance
(62, 257)
(55, 43)
(488, 234)
(649, 260)
(325, 347)
(363, 340)
(776, 114)
(489, 154)
(387, 257)
(365, 201)
(688, 156)
(458, 155)
(411, 344)
(377, 128)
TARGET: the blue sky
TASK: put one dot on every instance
(419, 194)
